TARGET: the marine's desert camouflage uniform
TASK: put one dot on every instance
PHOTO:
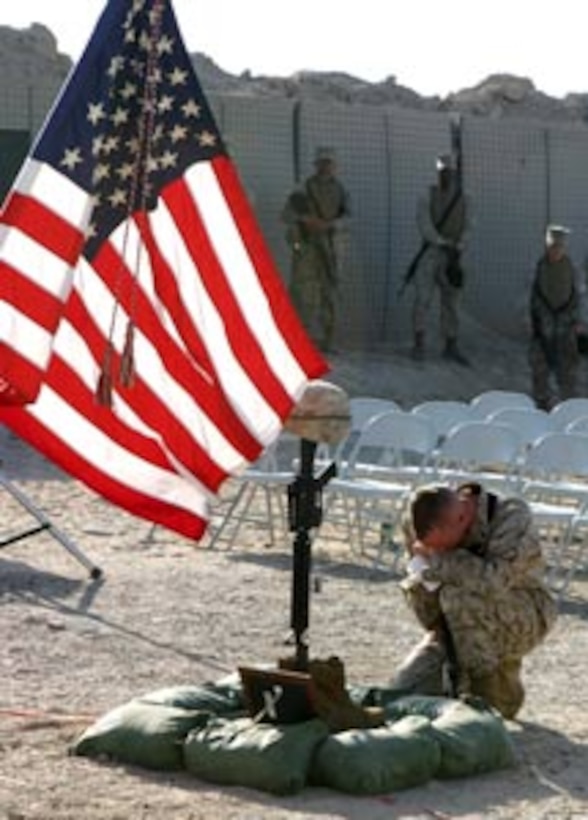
(495, 603)
(431, 273)
(558, 304)
(316, 255)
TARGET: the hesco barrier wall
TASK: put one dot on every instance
(519, 174)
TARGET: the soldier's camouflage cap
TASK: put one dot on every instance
(325, 153)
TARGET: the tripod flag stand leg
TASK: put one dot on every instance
(44, 525)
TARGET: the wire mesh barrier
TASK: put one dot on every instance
(519, 174)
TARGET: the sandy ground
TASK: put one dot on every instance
(168, 613)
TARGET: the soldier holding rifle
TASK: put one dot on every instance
(557, 314)
(444, 220)
(315, 214)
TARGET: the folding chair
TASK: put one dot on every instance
(579, 425)
(488, 402)
(530, 423)
(444, 413)
(568, 411)
(479, 451)
(44, 524)
(362, 410)
(389, 458)
(268, 478)
(554, 483)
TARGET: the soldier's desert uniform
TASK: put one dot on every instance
(315, 253)
(431, 274)
(557, 306)
(496, 607)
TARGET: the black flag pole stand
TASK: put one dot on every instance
(304, 514)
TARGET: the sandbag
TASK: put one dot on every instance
(472, 740)
(220, 700)
(262, 756)
(397, 705)
(377, 761)
(145, 734)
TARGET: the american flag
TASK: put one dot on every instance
(147, 344)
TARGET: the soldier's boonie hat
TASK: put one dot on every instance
(556, 234)
(444, 161)
(324, 153)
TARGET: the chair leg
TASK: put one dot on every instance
(227, 516)
(559, 587)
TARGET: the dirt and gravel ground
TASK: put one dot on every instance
(168, 613)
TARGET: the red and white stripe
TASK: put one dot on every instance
(220, 356)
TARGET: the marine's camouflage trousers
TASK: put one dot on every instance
(429, 279)
(492, 628)
(491, 635)
(563, 367)
(314, 294)
(425, 672)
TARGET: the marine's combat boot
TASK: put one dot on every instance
(453, 354)
(503, 689)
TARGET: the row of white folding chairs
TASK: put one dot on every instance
(554, 480)
(494, 453)
(517, 448)
(388, 452)
(391, 438)
(514, 409)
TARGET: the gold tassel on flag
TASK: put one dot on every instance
(127, 362)
(104, 386)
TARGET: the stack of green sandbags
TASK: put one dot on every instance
(206, 730)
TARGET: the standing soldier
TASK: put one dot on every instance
(315, 214)
(443, 220)
(557, 314)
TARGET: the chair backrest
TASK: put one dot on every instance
(558, 455)
(365, 408)
(444, 413)
(281, 454)
(362, 410)
(567, 411)
(579, 425)
(488, 402)
(480, 444)
(530, 422)
(393, 439)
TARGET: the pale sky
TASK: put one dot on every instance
(430, 46)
